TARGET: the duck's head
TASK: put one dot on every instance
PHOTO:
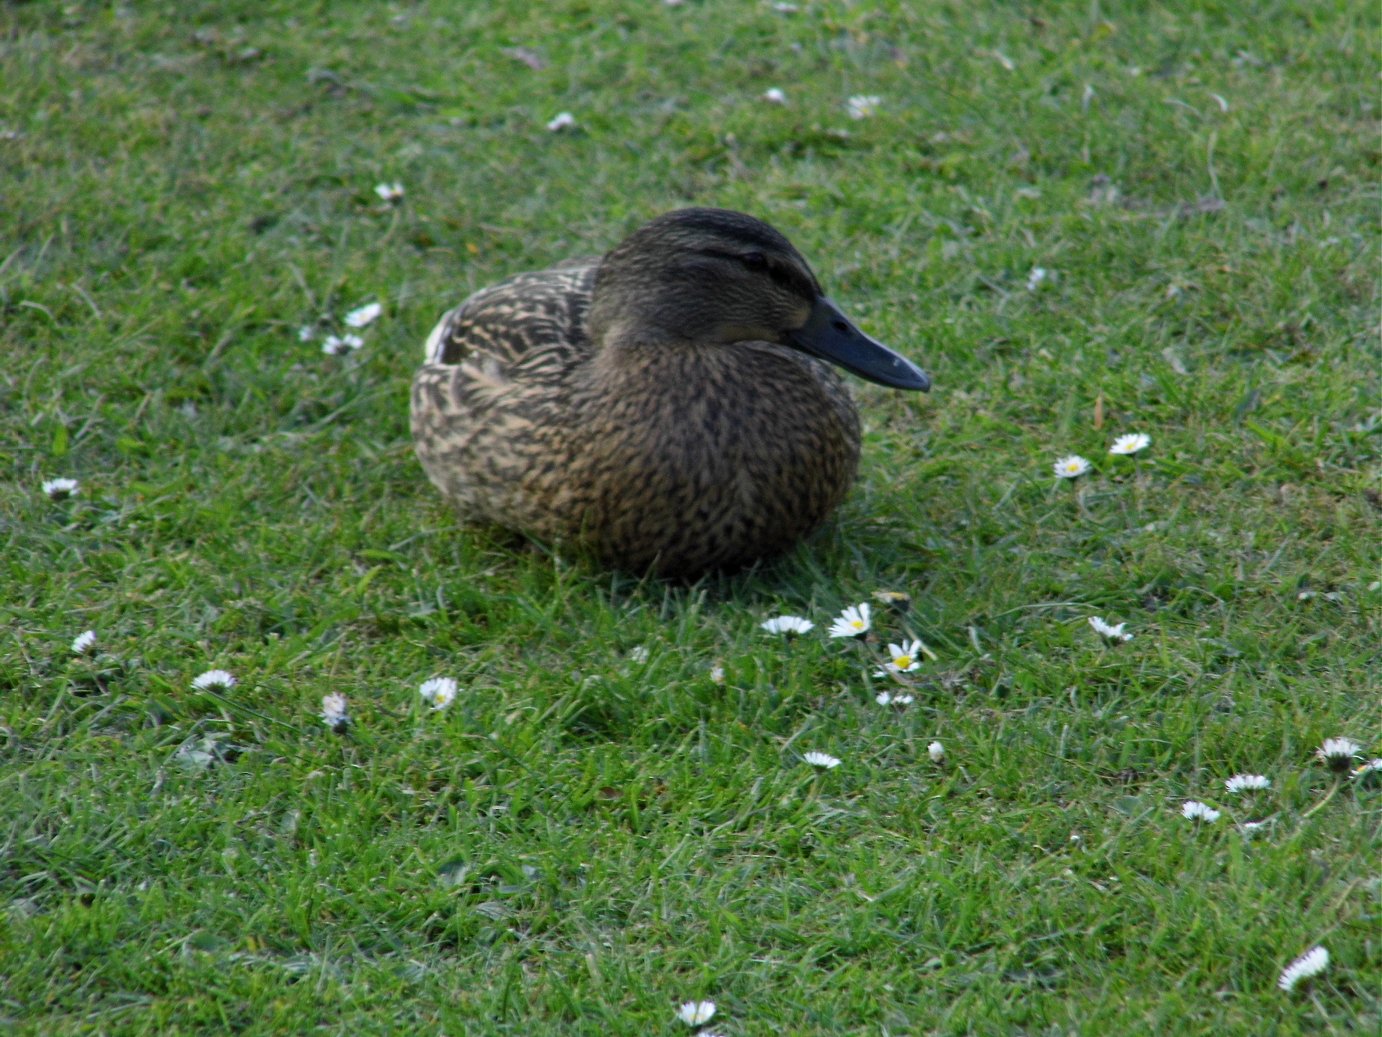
(716, 276)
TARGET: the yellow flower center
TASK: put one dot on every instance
(857, 624)
(902, 662)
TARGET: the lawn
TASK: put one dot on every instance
(1084, 220)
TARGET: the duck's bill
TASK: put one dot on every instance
(832, 336)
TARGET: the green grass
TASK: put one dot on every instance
(582, 841)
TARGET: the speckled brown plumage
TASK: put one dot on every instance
(655, 406)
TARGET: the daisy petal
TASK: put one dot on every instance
(334, 712)
(852, 622)
(214, 680)
(1311, 963)
(439, 692)
(1070, 467)
(696, 1013)
(787, 625)
(1194, 810)
(1247, 782)
(1131, 443)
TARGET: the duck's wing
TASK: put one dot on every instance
(526, 318)
(487, 400)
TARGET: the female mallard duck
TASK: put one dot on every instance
(662, 406)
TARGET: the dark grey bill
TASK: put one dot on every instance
(832, 336)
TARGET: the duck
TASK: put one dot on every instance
(671, 407)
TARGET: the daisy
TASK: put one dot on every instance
(1071, 467)
(389, 192)
(1039, 276)
(1246, 782)
(864, 106)
(340, 345)
(787, 625)
(822, 760)
(897, 599)
(82, 643)
(1370, 767)
(1338, 753)
(307, 333)
(852, 622)
(1311, 963)
(903, 658)
(887, 698)
(60, 489)
(439, 691)
(364, 316)
(214, 680)
(638, 654)
(936, 751)
(696, 1013)
(1131, 443)
(774, 96)
(334, 713)
(717, 674)
(562, 121)
(1197, 811)
(1112, 631)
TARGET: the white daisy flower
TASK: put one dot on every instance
(717, 674)
(1039, 276)
(903, 658)
(439, 691)
(822, 760)
(340, 345)
(200, 753)
(1131, 443)
(1070, 467)
(307, 333)
(364, 316)
(1338, 753)
(787, 625)
(1247, 782)
(852, 622)
(83, 642)
(214, 680)
(696, 1013)
(334, 712)
(561, 121)
(1311, 963)
(638, 654)
(1197, 811)
(1370, 767)
(936, 751)
(774, 96)
(893, 599)
(389, 192)
(864, 106)
(60, 489)
(887, 698)
(1112, 631)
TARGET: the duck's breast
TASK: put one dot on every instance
(715, 456)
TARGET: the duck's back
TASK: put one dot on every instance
(523, 318)
(491, 386)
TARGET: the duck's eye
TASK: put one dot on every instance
(754, 260)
